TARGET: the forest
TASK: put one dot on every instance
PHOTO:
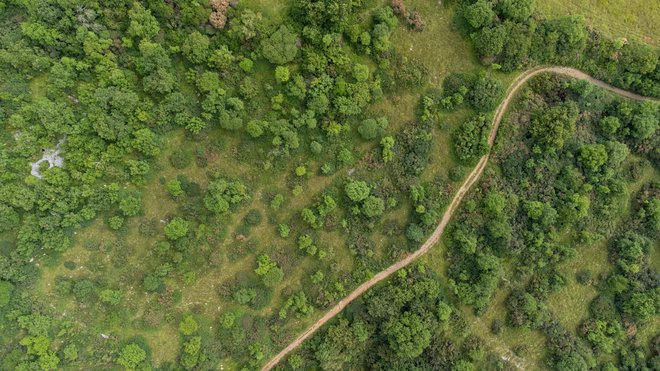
(190, 185)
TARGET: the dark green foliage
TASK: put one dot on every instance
(9, 219)
(551, 127)
(517, 10)
(176, 228)
(637, 57)
(280, 47)
(406, 322)
(488, 42)
(525, 310)
(373, 128)
(479, 14)
(253, 217)
(6, 290)
(342, 345)
(506, 34)
(471, 139)
(407, 335)
(222, 194)
(485, 94)
(180, 159)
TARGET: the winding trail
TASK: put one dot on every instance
(465, 187)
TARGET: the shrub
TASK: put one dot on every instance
(188, 325)
(131, 356)
(486, 93)
(176, 228)
(180, 159)
(253, 217)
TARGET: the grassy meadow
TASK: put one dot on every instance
(615, 18)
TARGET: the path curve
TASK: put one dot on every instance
(465, 187)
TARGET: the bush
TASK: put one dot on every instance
(479, 14)
(373, 128)
(486, 93)
(253, 217)
(583, 277)
(131, 356)
(471, 139)
(176, 228)
(188, 325)
(180, 159)
(415, 233)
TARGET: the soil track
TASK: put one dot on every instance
(465, 187)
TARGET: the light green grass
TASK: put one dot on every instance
(439, 47)
(615, 18)
(571, 303)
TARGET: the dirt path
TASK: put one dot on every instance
(469, 181)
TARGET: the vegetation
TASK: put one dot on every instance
(189, 185)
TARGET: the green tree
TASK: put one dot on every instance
(221, 58)
(642, 306)
(602, 335)
(357, 190)
(495, 202)
(152, 56)
(646, 121)
(341, 344)
(256, 128)
(387, 144)
(360, 72)
(277, 201)
(208, 82)
(551, 127)
(115, 222)
(517, 10)
(280, 47)
(373, 206)
(173, 187)
(131, 356)
(489, 41)
(414, 232)
(9, 218)
(131, 205)
(283, 230)
(282, 74)
(146, 141)
(188, 325)
(593, 156)
(142, 23)
(639, 57)
(190, 355)
(245, 295)
(471, 139)
(176, 228)
(196, 47)
(407, 335)
(609, 124)
(269, 271)
(223, 193)
(485, 94)
(479, 14)
(372, 128)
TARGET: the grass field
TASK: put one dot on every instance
(616, 18)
